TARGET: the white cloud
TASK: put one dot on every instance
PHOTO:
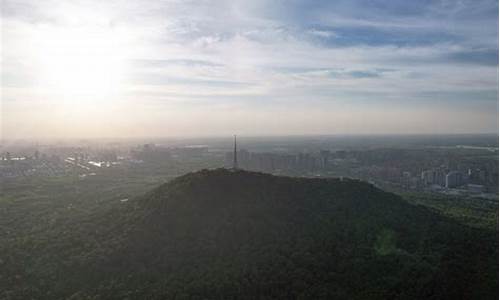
(250, 54)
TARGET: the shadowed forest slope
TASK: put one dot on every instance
(220, 234)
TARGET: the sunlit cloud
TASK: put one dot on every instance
(254, 57)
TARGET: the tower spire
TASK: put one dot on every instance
(235, 155)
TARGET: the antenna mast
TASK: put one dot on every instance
(235, 156)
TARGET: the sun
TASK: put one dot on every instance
(80, 63)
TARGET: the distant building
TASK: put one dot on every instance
(453, 179)
(192, 151)
(429, 177)
(151, 153)
(324, 157)
(406, 180)
(415, 183)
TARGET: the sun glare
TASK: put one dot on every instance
(81, 63)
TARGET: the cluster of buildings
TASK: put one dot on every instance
(153, 153)
(280, 162)
(12, 166)
(439, 179)
(450, 179)
(474, 180)
(70, 160)
(412, 169)
(56, 162)
(342, 163)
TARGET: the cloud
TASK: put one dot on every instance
(322, 33)
(270, 53)
(488, 57)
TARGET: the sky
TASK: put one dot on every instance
(213, 68)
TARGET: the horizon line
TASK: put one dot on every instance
(218, 136)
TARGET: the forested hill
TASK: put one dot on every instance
(221, 234)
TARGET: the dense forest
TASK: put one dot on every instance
(221, 234)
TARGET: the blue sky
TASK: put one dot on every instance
(163, 68)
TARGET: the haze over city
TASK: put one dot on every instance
(212, 68)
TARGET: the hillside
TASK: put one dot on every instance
(224, 235)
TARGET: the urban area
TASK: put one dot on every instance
(469, 170)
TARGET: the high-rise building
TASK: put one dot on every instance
(406, 180)
(429, 177)
(453, 179)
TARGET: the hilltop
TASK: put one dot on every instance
(221, 234)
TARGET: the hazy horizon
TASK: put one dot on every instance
(139, 69)
(471, 139)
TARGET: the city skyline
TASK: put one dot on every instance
(178, 68)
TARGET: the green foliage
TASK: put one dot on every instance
(475, 212)
(237, 235)
(385, 243)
